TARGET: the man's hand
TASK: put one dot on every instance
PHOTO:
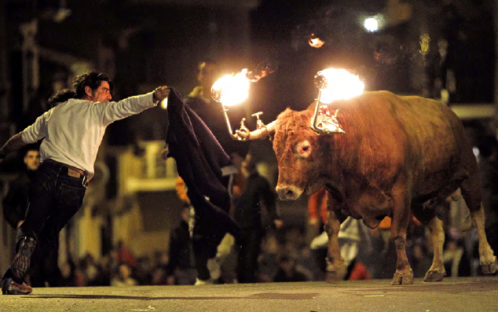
(161, 93)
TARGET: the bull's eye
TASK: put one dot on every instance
(303, 149)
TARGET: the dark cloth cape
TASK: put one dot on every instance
(199, 158)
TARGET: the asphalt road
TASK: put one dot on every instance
(462, 294)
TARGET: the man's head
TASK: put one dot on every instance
(207, 72)
(32, 159)
(93, 86)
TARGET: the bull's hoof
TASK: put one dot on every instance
(489, 268)
(401, 278)
(335, 275)
(434, 276)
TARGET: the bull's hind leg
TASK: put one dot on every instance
(428, 217)
(401, 217)
(473, 199)
(436, 272)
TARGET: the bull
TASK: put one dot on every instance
(399, 156)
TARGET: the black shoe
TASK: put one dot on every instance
(21, 262)
(9, 287)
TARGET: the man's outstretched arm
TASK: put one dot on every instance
(13, 144)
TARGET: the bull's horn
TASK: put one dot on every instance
(257, 134)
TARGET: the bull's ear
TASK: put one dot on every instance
(303, 149)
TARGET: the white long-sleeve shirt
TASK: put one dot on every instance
(73, 130)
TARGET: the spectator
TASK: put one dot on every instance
(123, 276)
(67, 272)
(488, 168)
(204, 120)
(257, 194)
(181, 267)
(143, 271)
(125, 255)
(15, 202)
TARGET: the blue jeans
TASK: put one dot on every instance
(54, 198)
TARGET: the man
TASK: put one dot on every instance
(72, 133)
(181, 267)
(248, 213)
(488, 168)
(205, 241)
(15, 202)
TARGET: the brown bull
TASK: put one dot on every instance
(399, 155)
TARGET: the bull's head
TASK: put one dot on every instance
(298, 152)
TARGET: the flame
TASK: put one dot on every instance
(337, 84)
(231, 89)
(315, 42)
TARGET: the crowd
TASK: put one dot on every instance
(285, 256)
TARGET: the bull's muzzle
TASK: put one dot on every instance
(288, 192)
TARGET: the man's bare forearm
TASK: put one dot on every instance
(13, 144)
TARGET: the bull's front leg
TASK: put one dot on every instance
(336, 267)
(401, 217)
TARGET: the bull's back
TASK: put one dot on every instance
(419, 136)
(446, 155)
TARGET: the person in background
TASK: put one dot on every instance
(15, 202)
(206, 240)
(123, 276)
(207, 269)
(247, 212)
(488, 169)
(181, 267)
(72, 132)
(125, 255)
(45, 270)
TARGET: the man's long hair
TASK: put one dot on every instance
(90, 79)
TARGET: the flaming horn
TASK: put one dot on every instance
(333, 84)
(234, 89)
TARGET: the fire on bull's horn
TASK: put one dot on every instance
(234, 89)
(333, 84)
